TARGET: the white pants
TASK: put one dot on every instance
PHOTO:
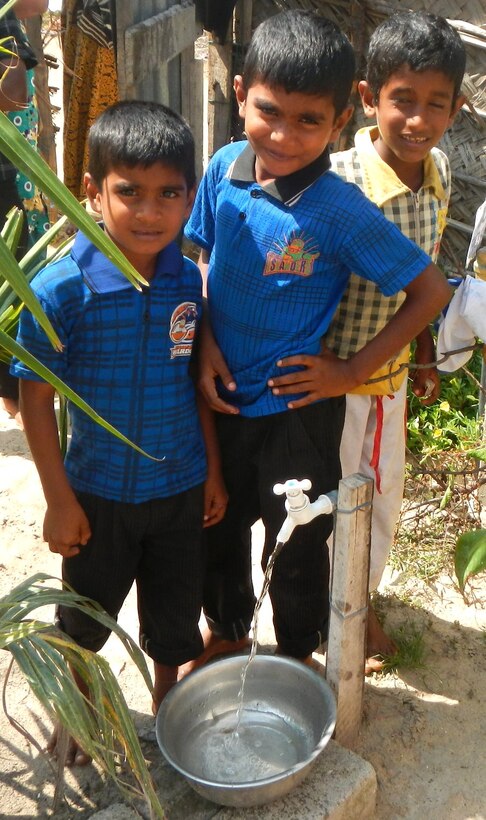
(357, 445)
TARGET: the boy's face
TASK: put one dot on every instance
(143, 209)
(413, 111)
(287, 131)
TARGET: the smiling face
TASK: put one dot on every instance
(287, 131)
(413, 111)
(143, 209)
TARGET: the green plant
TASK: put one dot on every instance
(470, 555)
(450, 423)
(410, 649)
(103, 725)
(442, 426)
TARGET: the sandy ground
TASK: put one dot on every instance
(423, 730)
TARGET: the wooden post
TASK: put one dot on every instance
(349, 604)
(243, 21)
(46, 139)
(220, 81)
(192, 106)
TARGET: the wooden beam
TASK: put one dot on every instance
(158, 39)
(220, 81)
(243, 21)
(192, 108)
(349, 604)
(46, 143)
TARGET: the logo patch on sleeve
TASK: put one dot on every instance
(183, 329)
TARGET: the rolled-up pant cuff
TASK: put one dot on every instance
(302, 647)
(230, 632)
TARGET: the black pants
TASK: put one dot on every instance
(156, 543)
(257, 453)
(9, 198)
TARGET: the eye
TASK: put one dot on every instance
(169, 194)
(126, 190)
(266, 110)
(309, 121)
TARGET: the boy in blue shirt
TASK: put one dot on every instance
(415, 67)
(114, 515)
(280, 235)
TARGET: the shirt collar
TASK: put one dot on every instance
(285, 188)
(380, 181)
(102, 276)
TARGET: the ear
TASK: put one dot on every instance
(240, 93)
(340, 122)
(93, 193)
(460, 101)
(367, 99)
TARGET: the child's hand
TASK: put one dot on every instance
(426, 384)
(426, 381)
(215, 500)
(212, 365)
(322, 377)
(66, 528)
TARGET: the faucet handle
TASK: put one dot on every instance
(292, 487)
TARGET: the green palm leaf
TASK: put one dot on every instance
(37, 257)
(13, 274)
(103, 725)
(8, 5)
(36, 366)
(12, 229)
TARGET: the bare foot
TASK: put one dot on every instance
(309, 660)
(165, 679)
(11, 406)
(19, 421)
(378, 645)
(213, 646)
(61, 745)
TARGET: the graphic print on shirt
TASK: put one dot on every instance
(295, 255)
(183, 329)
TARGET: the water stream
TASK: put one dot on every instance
(247, 744)
(256, 613)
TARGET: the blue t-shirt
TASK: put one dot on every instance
(127, 353)
(280, 259)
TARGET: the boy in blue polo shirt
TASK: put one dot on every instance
(280, 235)
(116, 516)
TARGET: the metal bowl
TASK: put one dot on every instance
(288, 716)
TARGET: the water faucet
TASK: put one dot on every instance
(299, 509)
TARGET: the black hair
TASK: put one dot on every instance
(421, 41)
(301, 51)
(136, 132)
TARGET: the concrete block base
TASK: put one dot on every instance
(340, 786)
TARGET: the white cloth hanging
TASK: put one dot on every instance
(464, 321)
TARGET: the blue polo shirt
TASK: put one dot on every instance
(280, 259)
(127, 354)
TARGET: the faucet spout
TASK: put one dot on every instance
(299, 509)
